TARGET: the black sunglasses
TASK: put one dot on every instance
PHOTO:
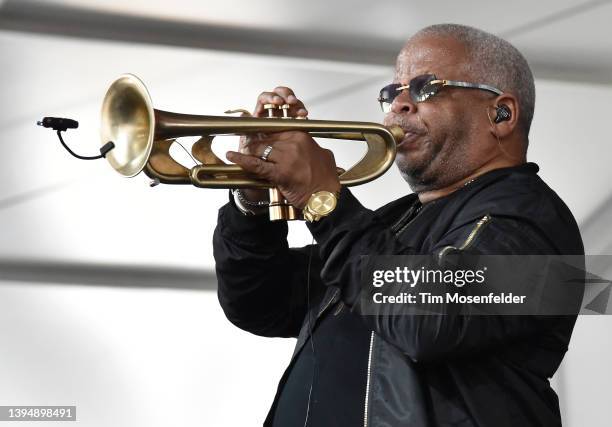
(423, 87)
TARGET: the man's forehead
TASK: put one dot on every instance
(444, 57)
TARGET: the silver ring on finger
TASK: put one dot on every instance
(266, 153)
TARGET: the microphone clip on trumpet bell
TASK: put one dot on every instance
(61, 124)
(58, 123)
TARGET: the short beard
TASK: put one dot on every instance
(441, 169)
(416, 182)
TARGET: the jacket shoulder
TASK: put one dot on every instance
(520, 196)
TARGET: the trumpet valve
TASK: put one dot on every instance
(285, 108)
(270, 109)
(293, 213)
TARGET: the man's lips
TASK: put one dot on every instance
(410, 136)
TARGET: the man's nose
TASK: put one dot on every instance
(403, 103)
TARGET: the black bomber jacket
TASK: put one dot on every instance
(485, 371)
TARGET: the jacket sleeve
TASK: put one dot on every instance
(262, 284)
(352, 231)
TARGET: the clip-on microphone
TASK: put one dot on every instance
(60, 125)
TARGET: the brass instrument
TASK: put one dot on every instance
(143, 135)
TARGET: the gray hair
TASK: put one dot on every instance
(493, 61)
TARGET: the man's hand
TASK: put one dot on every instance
(297, 165)
(279, 96)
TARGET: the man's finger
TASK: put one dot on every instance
(256, 146)
(289, 96)
(252, 164)
(297, 110)
(279, 96)
(297, 106)
(251, 139)
(268, 98)
(285, 92)
(260, 149)
(301, 112)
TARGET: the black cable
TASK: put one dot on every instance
(61, 124)
(311, 336)
(105, 149)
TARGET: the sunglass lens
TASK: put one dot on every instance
(387, 95)
(385, 106)
(429, 90)
(421, 87)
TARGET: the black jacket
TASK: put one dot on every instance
(423, 370)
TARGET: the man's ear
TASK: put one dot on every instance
(505, 115)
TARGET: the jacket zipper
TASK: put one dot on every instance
(403, 222)
(336, 292)
(470, 239)
(367, 393)
(475, 231)
(398, 228)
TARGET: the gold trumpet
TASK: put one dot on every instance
(143, 135)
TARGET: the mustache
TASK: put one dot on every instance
(407, 126)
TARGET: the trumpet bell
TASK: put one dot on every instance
(128, 119)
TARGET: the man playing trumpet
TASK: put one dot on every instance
(465, 100)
